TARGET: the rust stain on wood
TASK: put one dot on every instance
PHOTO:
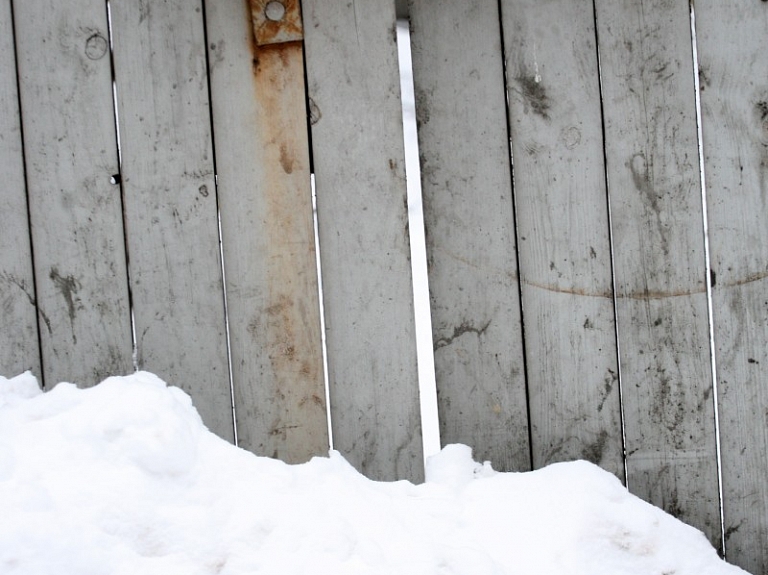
(272, 76)
(276, 21)
(287, 317)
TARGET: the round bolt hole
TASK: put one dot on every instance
(274, 11)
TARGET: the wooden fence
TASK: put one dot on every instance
(569, 286)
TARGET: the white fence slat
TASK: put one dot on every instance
(469, 221)
(564, 245)
(733, 76)
(77, 231)
(19, 345)
(655, 198)
(170, 200)
(260, 129)
(357, 140)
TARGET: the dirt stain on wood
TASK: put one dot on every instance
(68, 286)
(535, 95)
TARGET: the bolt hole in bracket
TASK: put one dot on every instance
(274, 11)
(276, 21)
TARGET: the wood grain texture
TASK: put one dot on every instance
(655, 195)
(564, 245)
(76, 218)
(468, 213)
(260, 129)
(733, 76)
(357, 141)
(19, 344)
(170, 200)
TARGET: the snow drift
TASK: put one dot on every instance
(123, 478)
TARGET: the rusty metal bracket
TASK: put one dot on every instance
(276, 21)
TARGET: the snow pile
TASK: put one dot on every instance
(123, 478)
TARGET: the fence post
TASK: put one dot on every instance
(262, 159)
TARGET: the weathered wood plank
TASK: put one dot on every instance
(564, 244)
(468, 213)
(655, 197)
(733, 76)
(357, 140)
(262, 160)
(76, 218)
(170, 200)
(19, 344)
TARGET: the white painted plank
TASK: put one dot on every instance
(170, 200)
(564, 245)
(468, 212)
(77, 231)
(19, 344)
(655, 197)
(262, 159)
(733, 76)
(357, 140)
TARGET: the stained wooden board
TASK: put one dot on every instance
(564, 246)
(76, 218)
(655, 197)
(357, 140)
(260, 129)
(468, 212)
(170, 200)
(19, 345)
(733, 76)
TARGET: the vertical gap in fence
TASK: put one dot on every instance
(220, 237)
(311, 119)
(424, 352)
(117, 181)
(319, 267)
(517, 237)
(708, 279)
(619, 380)
(26, 190)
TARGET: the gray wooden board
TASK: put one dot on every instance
(170, 201)
(76, 218)
(563, 233)
(357, 140)
(655, 197)
(733, 75)
(260, 128)
(468, 213)
(19, 345)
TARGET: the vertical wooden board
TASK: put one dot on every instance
(75, 212)
(733, 75)
(357, 140)
(469, 220)
(564, 244)
(655, 197)
(19, 344)
(260, 129)
(170, 200)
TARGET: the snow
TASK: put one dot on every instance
(124, 478)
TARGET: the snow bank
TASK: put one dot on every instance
(123, 478)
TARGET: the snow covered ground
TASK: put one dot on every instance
(123, 478)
